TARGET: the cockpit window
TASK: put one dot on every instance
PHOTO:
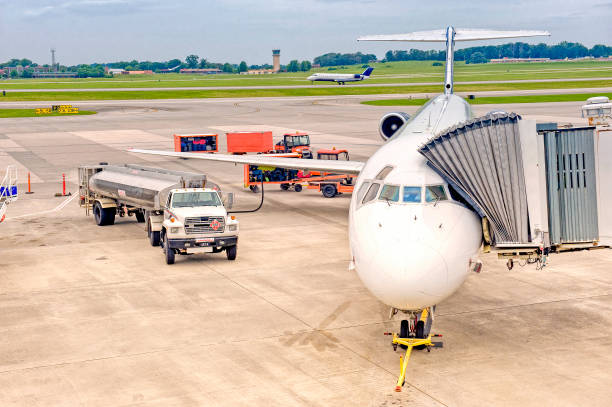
(384, 172)
(362, 190)
(389, 193)
(412, 194)
(434, 193)
(371, 194)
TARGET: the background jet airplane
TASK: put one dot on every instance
(340, 78)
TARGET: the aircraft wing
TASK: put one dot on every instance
(267, 160)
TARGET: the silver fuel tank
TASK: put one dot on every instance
(138, 186)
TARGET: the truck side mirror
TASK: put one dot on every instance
(229, 200)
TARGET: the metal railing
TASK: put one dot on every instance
(8, 190)
(8, 186)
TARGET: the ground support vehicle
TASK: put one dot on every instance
(331, 185)
(181, 212)
(294, 143)
(196, 143)
(286, 179)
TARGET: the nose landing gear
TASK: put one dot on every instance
(414, 333)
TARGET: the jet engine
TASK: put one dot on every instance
(390, 123)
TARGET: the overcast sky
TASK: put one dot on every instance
(89, 31)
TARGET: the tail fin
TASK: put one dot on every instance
(461, 34)
(368, 71)
(450, 35)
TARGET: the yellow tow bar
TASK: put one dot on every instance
(410, 343)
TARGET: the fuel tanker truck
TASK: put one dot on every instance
(181, 211)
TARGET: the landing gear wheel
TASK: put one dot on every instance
(328, 191)
(254, 188)
(284, 187)
(140, 217)
(420, 333)
(297, 187)
(153, 236)
(168, 251)
(404, 329)
(510, 264)
(231, 252)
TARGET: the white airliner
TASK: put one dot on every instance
(412, 244)
(340, 78)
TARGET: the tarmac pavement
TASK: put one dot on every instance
(92, 316)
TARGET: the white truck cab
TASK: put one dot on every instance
(195, 221)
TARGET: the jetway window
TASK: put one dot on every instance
(435, 193)
(390, 193)
(412, 194)
(371, 194)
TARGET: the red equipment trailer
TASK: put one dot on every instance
(242, 142)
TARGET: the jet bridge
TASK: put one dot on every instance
(482, 160)
(535, 189)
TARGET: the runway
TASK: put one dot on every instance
(313, 86)
(360, 84)
(91, 316)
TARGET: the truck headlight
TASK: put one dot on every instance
(232, 228)
(174, 230)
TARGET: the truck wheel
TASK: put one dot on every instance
(297, 187)
(231, 252)
(168, 251)
(328, 191)
(97, 212)
(103, 216)
(284, 187)
(140, 217)
(254, 188)
(109, 214)
(153, 236)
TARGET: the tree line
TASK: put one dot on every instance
(334, 59)
(562, 50)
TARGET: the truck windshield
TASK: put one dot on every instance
(193, 199)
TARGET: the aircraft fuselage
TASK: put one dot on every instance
(411, 242)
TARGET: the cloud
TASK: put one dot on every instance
(88, 7)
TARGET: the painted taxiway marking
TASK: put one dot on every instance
(56, 209)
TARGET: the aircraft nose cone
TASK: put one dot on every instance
(401, 272)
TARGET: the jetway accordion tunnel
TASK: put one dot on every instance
(482, 160)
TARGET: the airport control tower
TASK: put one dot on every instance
(276, 60)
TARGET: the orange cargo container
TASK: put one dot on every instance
(242, 142)
(196, 143)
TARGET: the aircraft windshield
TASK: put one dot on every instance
(371, 194)
(389, 193)
(194, 199)
(412, 194)
(434, 193)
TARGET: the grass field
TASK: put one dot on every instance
(318, 91)
(574, 97)
(12, 113)
(393, 72)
